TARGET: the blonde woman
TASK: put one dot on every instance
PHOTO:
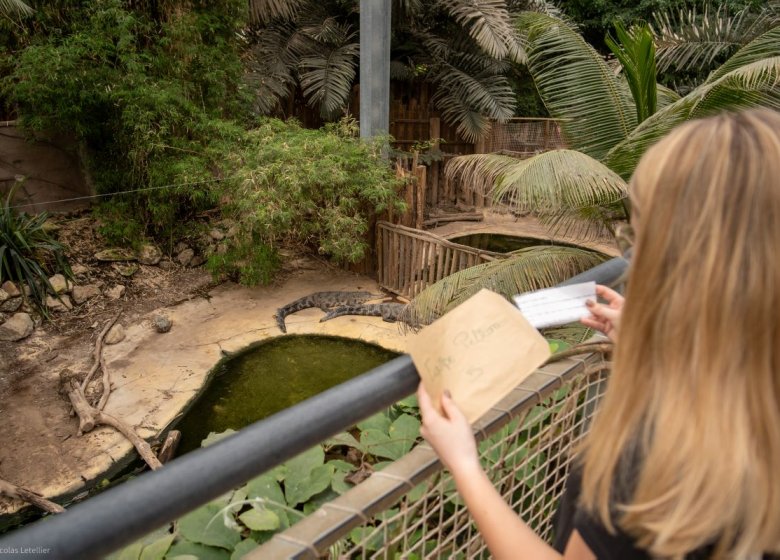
(683, 459)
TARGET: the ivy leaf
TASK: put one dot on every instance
(206, 526)
(260, 519)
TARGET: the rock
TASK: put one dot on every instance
(197, 260)
(166, 265)
(62, 304)
(80, 294)
(11, 289)
(11, 305)
(4, 295)
(149, 255)
(116, 254)
(50, 227)
(115, 335)
(126, 270)
(216, 235)
(16, 328)
(115, 292)
(79, 270)
(161, 323)
(3, 318)
(60, 284)
(180, 246)
(185, 256)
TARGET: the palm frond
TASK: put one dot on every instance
(666, 96)
(479, 171)
(693, 40)
(271, 63)
(327, 76)
(488, 23)
(527, 269)
(635, 50)
(471, 86)
(751, 85)
(559, 180)
(15, 7)
(576, 85)
(764, 46)
(264, 11)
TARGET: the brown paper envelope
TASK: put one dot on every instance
(479, 351)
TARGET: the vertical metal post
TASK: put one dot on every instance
(374, 67)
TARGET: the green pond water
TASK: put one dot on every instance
(502, 243)
(272, 375)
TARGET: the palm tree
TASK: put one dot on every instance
(14, 7)
(464, 47)
(609, 120)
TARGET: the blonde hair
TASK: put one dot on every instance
(685, 451)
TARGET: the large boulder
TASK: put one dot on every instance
(19, 326)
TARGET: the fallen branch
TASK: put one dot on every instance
(91, 417)
(98, 352)
(12, 490)
(169, 446)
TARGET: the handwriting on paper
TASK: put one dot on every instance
(479, 352)
(553, 307)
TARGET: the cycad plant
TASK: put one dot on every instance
(28, 253)
(609, 119)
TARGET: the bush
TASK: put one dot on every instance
(28, 254)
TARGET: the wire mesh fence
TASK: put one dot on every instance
(411, 510)
(525, 137)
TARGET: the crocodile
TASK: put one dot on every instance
(324, 300)
(390, 312)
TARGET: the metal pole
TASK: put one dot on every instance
(123, 514)
(374, 68)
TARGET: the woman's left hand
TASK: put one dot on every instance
(450, 434)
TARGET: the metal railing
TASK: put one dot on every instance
(123, 514)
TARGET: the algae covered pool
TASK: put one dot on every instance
(500, 243)
(272, 375)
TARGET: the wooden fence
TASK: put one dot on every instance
(409, 260)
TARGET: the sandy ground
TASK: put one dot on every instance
(154, 376)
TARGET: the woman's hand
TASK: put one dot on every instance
(449, 435)
(605, 317)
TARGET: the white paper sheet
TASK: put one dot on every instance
(553, 307)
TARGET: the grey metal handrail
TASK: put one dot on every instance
(122, 514)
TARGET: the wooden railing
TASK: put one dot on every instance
(409, 260)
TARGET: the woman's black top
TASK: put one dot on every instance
(605, 545)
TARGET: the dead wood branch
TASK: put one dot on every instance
(90, 417)
(14, 491)
(169, 446)
(98, 352)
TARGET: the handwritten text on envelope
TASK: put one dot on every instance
(479, 351)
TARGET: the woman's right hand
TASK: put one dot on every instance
(605, 317)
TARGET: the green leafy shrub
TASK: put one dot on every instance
(28, 253)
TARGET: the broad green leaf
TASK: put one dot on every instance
(270, 492)
(316, 502)
(306, 461)
(379, 421)
(243, 548)
(130, 552)
(344, 438)
(158, 549)
(300, 485)
(405, 429)
(260, 519)
(206, 526)
(198, 551)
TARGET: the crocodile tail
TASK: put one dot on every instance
(292, 307)
(280, 321)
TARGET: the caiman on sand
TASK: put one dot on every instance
(324, 300)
